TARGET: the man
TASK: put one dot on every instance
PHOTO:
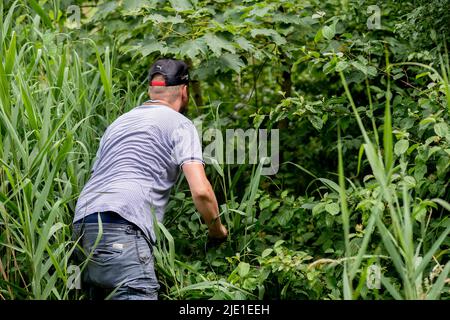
(138, 161)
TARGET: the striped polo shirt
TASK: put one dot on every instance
(138, 161)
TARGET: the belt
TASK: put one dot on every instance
(114, 217)
(105, 216)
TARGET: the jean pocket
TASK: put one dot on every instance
(102, 255)
(76, 231)
(144, 251)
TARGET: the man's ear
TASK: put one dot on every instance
(185, 91)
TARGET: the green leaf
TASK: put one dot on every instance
(243, 269)
(441, 129)
(420, 75)
(216, 44)
(153, 47)
(266, 252)
(290, 19)
(40, 11)
(371, 71)
(244, 44)
(316, 121)
(104, 9)
(157, 18)
(276, 37)
(401, 146)
(11, 54)
(134, 6)
(428, 256)
(284, 216)
(216, 166)
(360, 155)
(341, 66)
(328, 32)
(391, 288)
(358, 65)
(191, 48)
(427, 121)
(278, 243)
(181, 5)
(318, 36)
(232, 61)
(169, 238)
(332, 208)
(260, 11)
(330, 184)
(436, 289)
(207, 68)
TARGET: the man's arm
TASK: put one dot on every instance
(204, 198)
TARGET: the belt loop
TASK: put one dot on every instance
(129, 229)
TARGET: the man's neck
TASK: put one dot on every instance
(162, 102)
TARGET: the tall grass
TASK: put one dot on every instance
(54, 106)
(411, 261)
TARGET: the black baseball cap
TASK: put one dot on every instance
(175, 72)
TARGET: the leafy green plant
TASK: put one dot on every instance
(309, 69)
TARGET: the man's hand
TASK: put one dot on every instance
(218, 233)
(204, 199)
(216, 236)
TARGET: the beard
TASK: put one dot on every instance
(184, 105)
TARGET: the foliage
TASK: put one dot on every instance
(364, 139)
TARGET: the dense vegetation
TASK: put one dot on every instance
(362, 106)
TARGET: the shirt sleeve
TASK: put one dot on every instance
(187, 146)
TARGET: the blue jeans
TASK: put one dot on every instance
(121, 266)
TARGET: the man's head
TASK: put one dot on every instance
(169, 81)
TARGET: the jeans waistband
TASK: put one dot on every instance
(111, 219)
(105, 217)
